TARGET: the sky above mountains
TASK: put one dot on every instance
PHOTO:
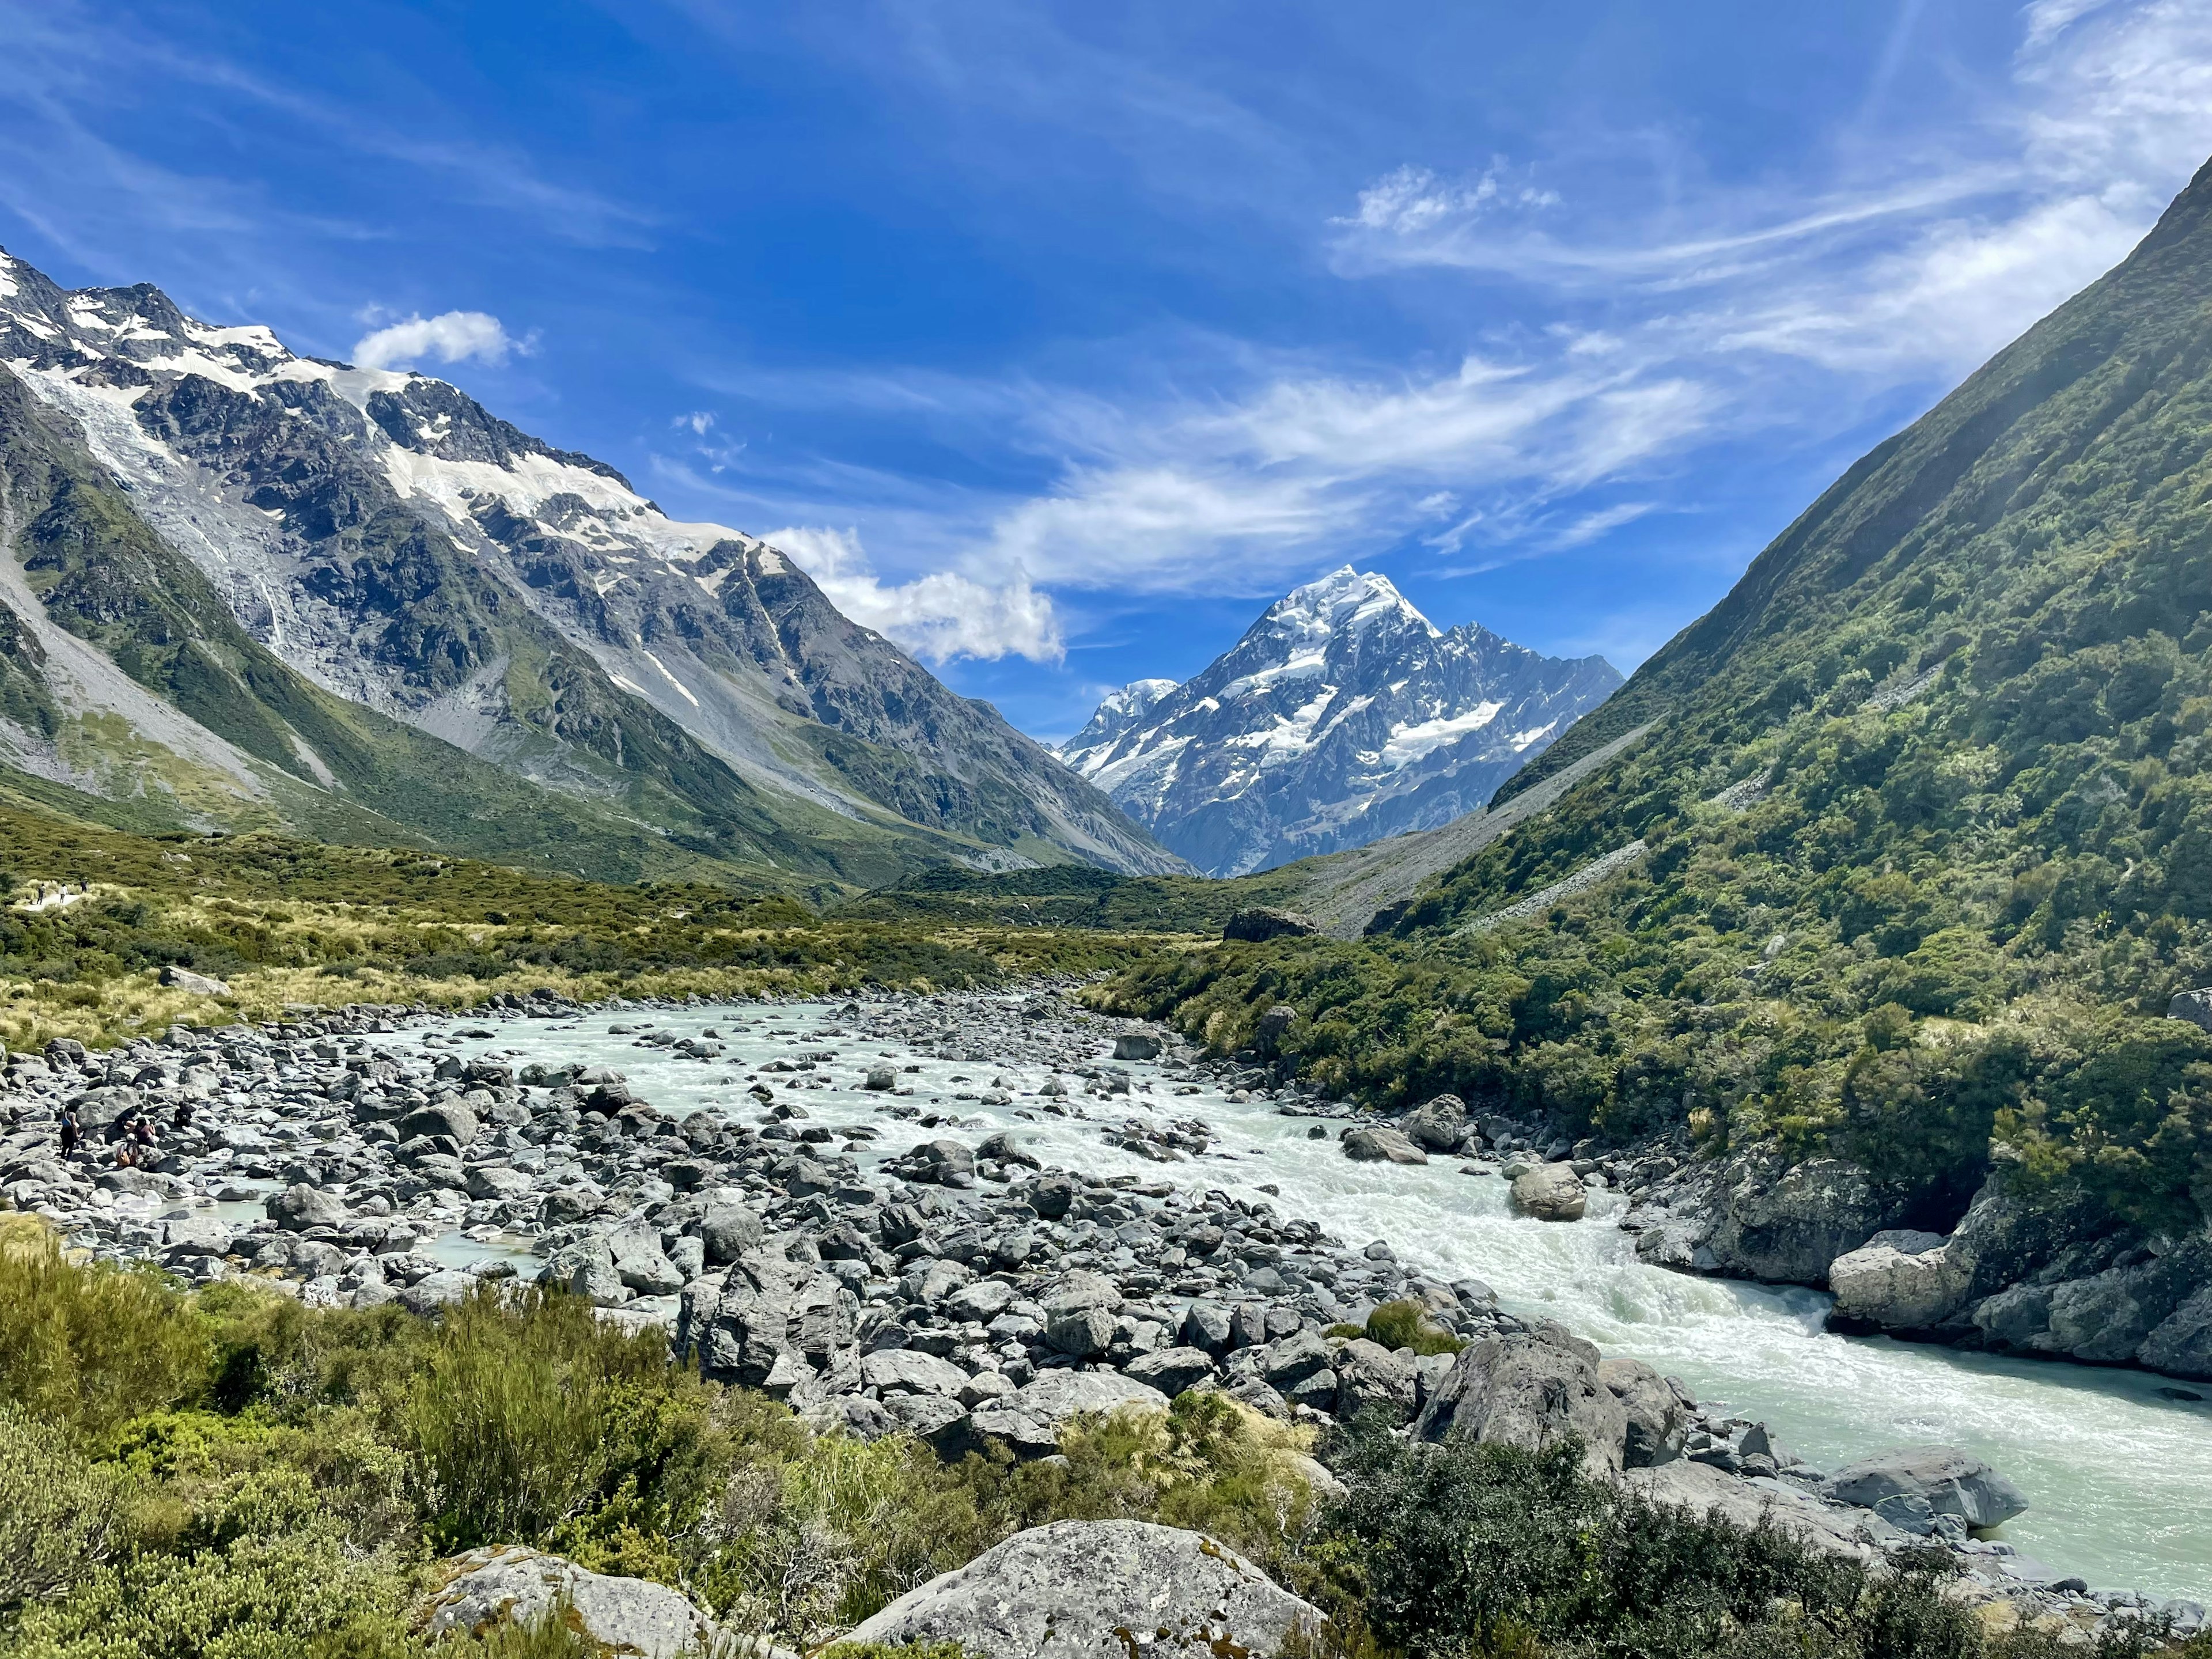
(1059, 340)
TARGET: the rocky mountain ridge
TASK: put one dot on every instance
(1343, 715)
(392, 543)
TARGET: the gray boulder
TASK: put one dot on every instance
(1294, 1358)
(1372, 1377)
(1529, 1389)
(775, 1323)
(1940, 1480)
(1082, 1587)
(448, 1117)
(1030, 1418)
(1052, 1196)
(1379, 1145)
(497, 1181)
(910, 1370)
(1083, 1333)
(300, 1206)
(516, 1586)
(2195, 1007)
(195, 1235)
(1550, 1192)
(728, 1230)
(1898, 1279)
(1208, 1327)
(1440, 1125)
(1171, 1370)
(1136, 1045)
(639, 1263)
(981, 1302)
(198, 985)
(1701, 1490)
(438, 1289)
(1657, 1418)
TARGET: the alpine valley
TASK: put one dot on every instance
(1342, 716)
(248, 589)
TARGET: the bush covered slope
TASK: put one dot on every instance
(1925, 816)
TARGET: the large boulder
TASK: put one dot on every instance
(1787, 1224)
(1550, 1192)
(300, 1206)
(1701, 1490)
(446, 1117)
(513, 1585)
(1897, 1280)
(1529, 1389)
(2195, 1007)
(1918, 1481)
(1030, 1420)
(640, 1262)
(1372, 1377)
(1171, 1370)
(1656, 1412)
(2182, 1344)
(198, 985)
(1136, 1045)
(1440, 1125)
(776, 1322)
(728, 1229)
(1086, 1588)
(1379, 1145)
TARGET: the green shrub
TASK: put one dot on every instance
(61, 1516)
(86, 1348)
(1405, 1324)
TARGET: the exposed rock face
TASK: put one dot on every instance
(1757, 1216)
(1340, 717)
(2195, 1007)
(2150, 1309)
(1911, 1484)
(1898, 1279)
(1104, 1588)
(517, 1586)
(1550, 1192)
(382, 536)
(1529, 1390)
(1656, 1412)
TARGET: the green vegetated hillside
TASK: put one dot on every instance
(1924, 810)
(286, 921)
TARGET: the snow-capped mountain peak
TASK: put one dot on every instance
(1342, 715)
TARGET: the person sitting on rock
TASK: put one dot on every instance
(142, 1130)
(182, 1117)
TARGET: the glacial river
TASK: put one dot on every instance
(2120, 1478)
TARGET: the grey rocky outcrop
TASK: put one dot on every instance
(1437, 1126)
(515, 1587)
(1103, 1589)
(1898, 1279)
(1656, 1412)
(1909, 1486)
(1530, 1390)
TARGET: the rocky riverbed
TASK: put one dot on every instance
(968, 1217)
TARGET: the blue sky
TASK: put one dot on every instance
(1057, 339)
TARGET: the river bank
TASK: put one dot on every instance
(834, 1129)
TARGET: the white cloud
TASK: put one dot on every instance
(939, 615)
(1412, 199)
(450, 337)
(700, 421)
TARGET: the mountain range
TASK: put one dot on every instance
(1343, 715)
(250, 588)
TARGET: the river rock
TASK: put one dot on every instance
(1077, 1589)
(517, 1586)
(728, 1230)
(300, 1206)
(2182, 1344)
(908, 1370)
(1439, 1124)
(639, 1263)
(1030, 1418)
(1550, 1192)
(1136, 1045)
(1377, 1145)
(1898, 1279)
(1943, 1479)
(448, 1117)
(1529, 1389)
(1081, 1332)
(1657, 1416)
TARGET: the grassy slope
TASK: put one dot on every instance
(291, 921)
(1953, 917)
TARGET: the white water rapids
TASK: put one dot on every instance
(2119, 1477)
